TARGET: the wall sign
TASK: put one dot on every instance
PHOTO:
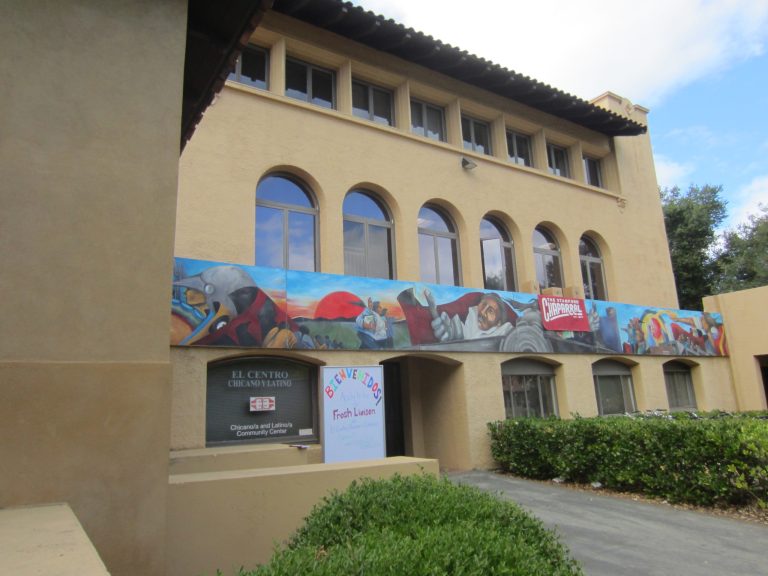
(353, 413)
(558, 313)
(260, 400)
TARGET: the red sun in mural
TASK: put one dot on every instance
(339, 305)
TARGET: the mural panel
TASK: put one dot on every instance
(217, 304)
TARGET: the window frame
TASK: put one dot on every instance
(585, 261)
(371, 89)
(552, 151)
(472, 144)
(675, 368)
(542, 373)
(512, 151)
(542, 252)
(236, 74)
(367, 222)
(452, 235)
(310, 69)
(425, 107)
(286, 210)
(507, 247)
(597, 164)
(604, 369)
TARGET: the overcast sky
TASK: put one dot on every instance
(701, 66)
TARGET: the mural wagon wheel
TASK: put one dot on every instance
(525, 338)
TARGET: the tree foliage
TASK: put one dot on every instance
(743, 259)
(691, 219)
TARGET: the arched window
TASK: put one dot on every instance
(592, 270)
(367, 237)
(613, 387)
(438, 250)
(529, 388)
(286, 227)
(498, 256)
(546, 252)
(677, 377)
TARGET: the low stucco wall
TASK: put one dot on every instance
(246, 457)
(225, 520)
(46, 539)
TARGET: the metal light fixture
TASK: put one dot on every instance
(467, 164)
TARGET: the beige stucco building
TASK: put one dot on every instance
(265, 126)
(98, 411)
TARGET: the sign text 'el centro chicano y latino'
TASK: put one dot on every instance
(259, 400)
(353, 413)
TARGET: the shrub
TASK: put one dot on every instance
(419, 525)
(704, 461)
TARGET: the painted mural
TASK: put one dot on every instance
(217, 304)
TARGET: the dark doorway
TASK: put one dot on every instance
(763, 360)
(393, 409)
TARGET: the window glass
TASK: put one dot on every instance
(322, 88)
(418, 126)
(251, 68)
(280, 189)
(379, 251)
(362, 205)
(367, 237)
(382, 107)
(493, 264)
(296, 80)
(285, 225)
(446, 261)
(547, 256)
(498, 256)
(611, 393)
(593, 172)
(427, 260)
(519, 148)
(431, 220)
(309, 83)
(482, 137)
(438, 251)
(529, 389)
(269, 232)
(543, 240)
(558, 160)
(435, 123)
(613, 387)
(301, 242)
(354, 248)
(360, 100)
(476, 135)
(680, 394)
(592, 274)
(372, 103)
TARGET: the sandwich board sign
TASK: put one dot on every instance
(353, 413)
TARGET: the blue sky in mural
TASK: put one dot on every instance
(700, 66)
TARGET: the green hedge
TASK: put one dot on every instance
(419, 525)
(706, 461)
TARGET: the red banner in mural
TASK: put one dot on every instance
(558, 313)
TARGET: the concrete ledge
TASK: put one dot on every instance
(228, 519)
(242, 457)
(48, 539)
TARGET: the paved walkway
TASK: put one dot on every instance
(613, 536)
